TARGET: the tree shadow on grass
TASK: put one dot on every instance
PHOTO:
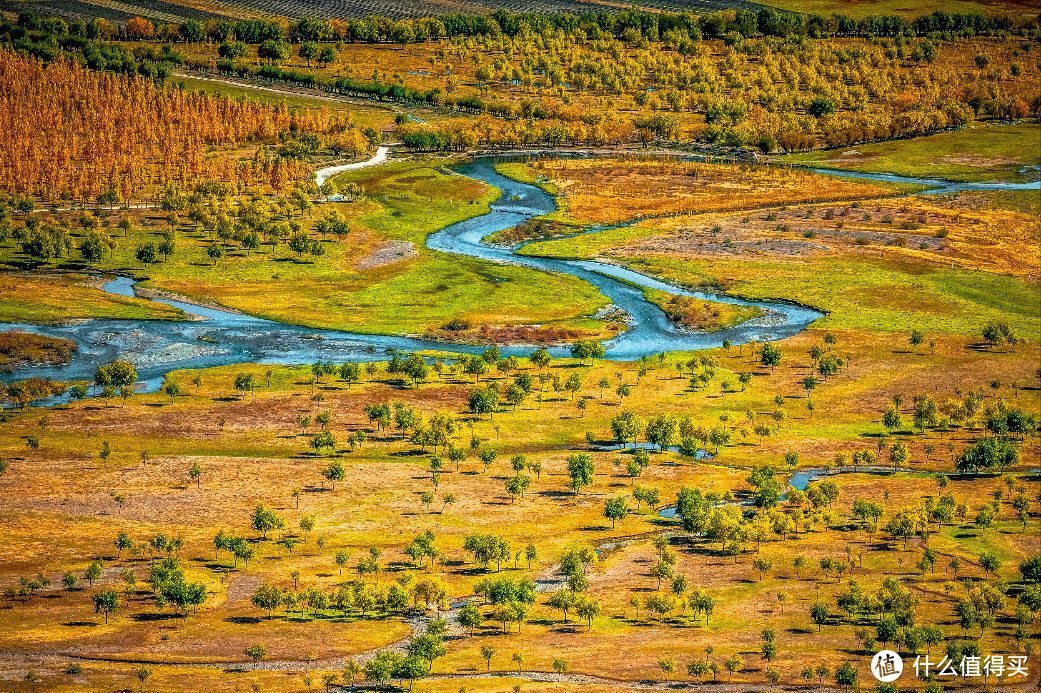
(555, 494)
(155, 616)
(244, 620)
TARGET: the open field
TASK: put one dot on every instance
(601, 191)
(762, 514)
(61, 297)
(237, 440)
(379, 278)
(98, 467)
(363, 113)
(987, 153)
(948, 263)
(195, 9)
(197, 460)
(863, 8)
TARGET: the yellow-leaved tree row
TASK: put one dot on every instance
(68, 133)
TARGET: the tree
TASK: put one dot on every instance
(886, 629)
(106, 602)
(308, 51)
(762, 565)
(540, 358)
(484, 401)
(307, 524)
(517, 485)
(93, 572)
(475, 366)
(733, 664)
(334, 472)
(626, 427)
(245, 383)
(580, 471)
(118, 376)
(264, 520)
(256, 653)
(230, 50)
(215, 251)
(324, 440)
(469, 617)
(147, 253)
(661, 431)
(590, 349)
(846, 676)
(819, 615)
(891, 419)
(269, 598)
(487, 652)
(326, 55)
(123, 543)
(990, 563)
(95, 246)
(195, 474)
(588, 609)
(563, 599)
(988, 455)
(273, 51)
(916, 338)
(770, 355)
(351, 671)
(820, 106)
(383, 666)
(1030, 569)
(997, 333)
(616, 509)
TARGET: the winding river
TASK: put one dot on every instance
(217, 337)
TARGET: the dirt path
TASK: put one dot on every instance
(324, 174)
(277, 88)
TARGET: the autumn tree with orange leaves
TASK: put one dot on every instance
(68, 133)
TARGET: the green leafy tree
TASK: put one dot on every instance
(616, 509)
(106, 602)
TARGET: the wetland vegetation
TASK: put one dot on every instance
(685, 399)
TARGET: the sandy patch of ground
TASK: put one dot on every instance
(387, 254)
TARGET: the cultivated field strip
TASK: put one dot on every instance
(160, 10)
(71, 9)
(156, 10)
(403, 9)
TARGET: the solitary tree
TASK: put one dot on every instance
(256, 653)
(106, 601)
(580, 471)
(487, 652)
(616, 509)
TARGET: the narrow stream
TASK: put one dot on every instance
(217, 337)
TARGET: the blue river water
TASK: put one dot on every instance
(216, 337)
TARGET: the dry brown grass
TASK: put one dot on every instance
(59, 513)
(949, 231)
(606, 191)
